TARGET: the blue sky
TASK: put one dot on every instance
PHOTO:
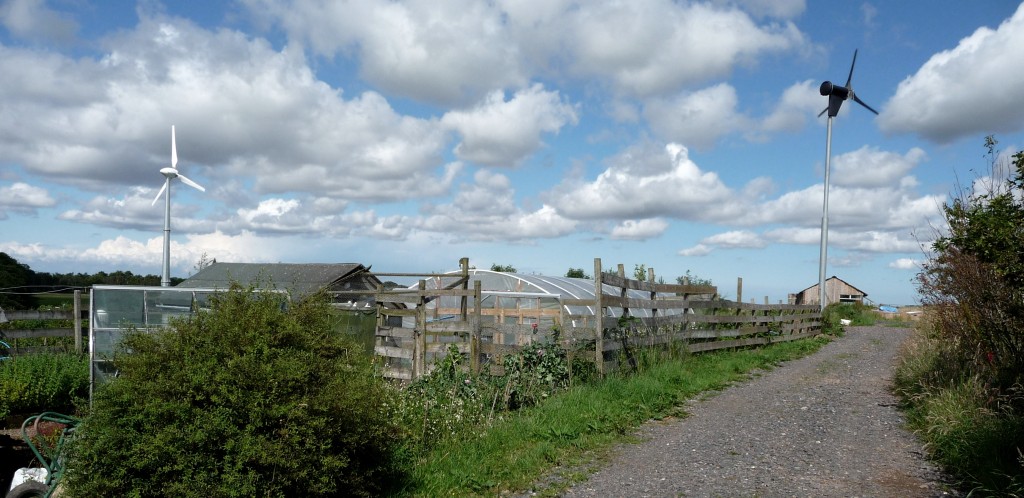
(541, 134)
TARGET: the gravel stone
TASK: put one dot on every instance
(823, 425)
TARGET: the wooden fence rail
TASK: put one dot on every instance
(76, 330)
(410, 338)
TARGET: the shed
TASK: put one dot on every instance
(301, 279)
(837, 290)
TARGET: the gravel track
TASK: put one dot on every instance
(823, 425)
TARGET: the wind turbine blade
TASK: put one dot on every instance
(158, 194)
(174, 150)
(861, 102)
(854, 63)
(823, 111)
(190, 183)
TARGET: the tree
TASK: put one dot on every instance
(503, 268)
(14, 280)
(577, 273)
(204, 261)
(250, 398)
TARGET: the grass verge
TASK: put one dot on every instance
(573, 427)
(973, 432)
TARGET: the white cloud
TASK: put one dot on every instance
(660, 46)
(32, 19)
(794, 235)
(870, 194)
(874, 241)
(665, 179)
(122, 252)
(639, 229)
(973, 89)
(696, 251)
(263, 114)
(502, 133)
(455, 52)
(440, 52)
(136, 210)
(736, 239)
(798, 102)
(870, 167)
(24, 198)
(905, 264)
(277, 215)
(486, 211)
(696, 119)
(866, 241)
(785, 9)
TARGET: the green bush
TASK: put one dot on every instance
(43, 382)
(962, 379)
(453, 402)
(250, 398)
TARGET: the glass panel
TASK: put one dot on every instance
(105, 342)
(115, 308)
(202, 300)
(162, 305)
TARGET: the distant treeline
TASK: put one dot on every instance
(19, 283)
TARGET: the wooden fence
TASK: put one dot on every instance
(11, 336)
(412, 334)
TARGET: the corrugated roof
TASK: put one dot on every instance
(301, 279)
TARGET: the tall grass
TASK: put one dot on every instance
(566, 429)
(972, 430)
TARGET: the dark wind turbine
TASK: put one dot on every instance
(836, 96)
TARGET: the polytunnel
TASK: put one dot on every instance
(514, 291)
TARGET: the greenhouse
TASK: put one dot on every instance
(520, 298)
(115, 309)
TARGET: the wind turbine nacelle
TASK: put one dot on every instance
(169, 172)
(828, 90)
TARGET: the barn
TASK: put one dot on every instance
(837, 290)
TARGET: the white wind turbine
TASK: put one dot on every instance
(170, 174)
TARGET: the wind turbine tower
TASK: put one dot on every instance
(836, 96)
(170, 173)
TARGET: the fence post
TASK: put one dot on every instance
(464, 265)
(654, 294)
(598, 317)
(474, 344)
(420, 351)
(78, 321)
(739, 289)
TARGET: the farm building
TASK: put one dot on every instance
(300, 280)
(837, 290)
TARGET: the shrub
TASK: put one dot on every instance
(453, 402)
(975, 281)
(42, 382)
(249, 398)
(962, 379)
